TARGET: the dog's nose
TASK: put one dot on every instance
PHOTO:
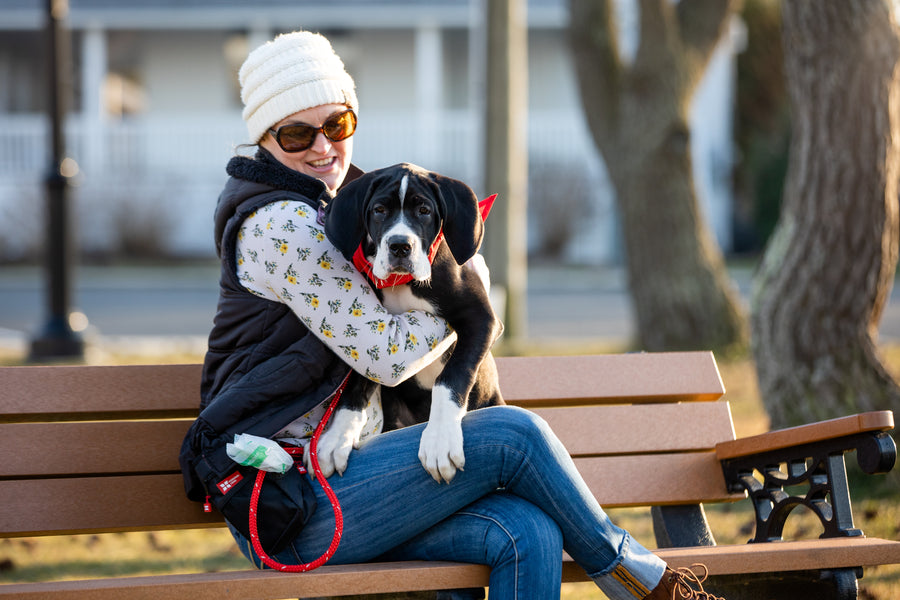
(400, 246)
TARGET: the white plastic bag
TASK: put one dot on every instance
(259, 452)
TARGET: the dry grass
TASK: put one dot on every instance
(73, 557)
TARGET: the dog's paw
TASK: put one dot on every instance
(441, 446)
(336, 442)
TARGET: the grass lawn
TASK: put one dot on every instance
(124, 554)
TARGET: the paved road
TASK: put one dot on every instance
(581, 304)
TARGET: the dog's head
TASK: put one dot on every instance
(397, 213)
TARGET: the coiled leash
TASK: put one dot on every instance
(332, 497)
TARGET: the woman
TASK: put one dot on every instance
(293, 314)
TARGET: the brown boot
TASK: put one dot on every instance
(682, 584)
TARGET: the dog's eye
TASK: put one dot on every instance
(379, 209)
(424, 210)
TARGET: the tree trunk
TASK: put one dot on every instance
(829, 268)
(638, 115)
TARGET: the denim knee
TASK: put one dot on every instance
(519, 423)
(517, 534)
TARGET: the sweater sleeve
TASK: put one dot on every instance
(283, 255)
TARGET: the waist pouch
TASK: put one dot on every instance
(286, 502)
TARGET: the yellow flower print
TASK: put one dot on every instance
(344, 283)
(291, 275)
(393, 348)
(301, 211)
(325, 261)
(372, 376)
(377, 325)
(320, 237)
(311, 299)
(350, 352)
(411, 342)
(326, 329)
(281, 245)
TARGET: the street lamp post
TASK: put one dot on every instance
(57, 339)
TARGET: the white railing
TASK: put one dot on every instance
(200, 145)
(160, 168)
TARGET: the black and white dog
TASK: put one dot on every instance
(396, 217)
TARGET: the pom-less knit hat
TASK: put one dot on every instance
(293, 72)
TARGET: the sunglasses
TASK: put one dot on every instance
(297, 137)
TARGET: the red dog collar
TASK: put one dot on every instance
(364, 266)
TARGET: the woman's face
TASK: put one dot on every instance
(324, 160)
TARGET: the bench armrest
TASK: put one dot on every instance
(810, 460)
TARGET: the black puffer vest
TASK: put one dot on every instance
(263, 368)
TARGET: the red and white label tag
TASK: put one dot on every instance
(229, 482)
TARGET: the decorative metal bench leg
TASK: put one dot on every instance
(681, 525)
(845, 582)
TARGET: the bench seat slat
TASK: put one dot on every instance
(122, 503)
(334, 580)
(70, 448)
(329, 580)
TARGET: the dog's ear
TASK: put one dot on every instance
(463, 228)
(345, 215)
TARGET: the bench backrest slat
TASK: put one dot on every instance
(150, 446)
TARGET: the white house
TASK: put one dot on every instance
(155, 113)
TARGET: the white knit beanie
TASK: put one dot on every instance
(293, 72)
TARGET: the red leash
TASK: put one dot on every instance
(338, 516)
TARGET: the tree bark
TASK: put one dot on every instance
(829, 267)
(638, 116)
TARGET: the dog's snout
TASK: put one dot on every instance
(400, 246)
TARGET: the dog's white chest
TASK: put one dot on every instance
(399, 299)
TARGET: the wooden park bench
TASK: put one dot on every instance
(89, 449)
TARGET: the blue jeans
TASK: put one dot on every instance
(517, 505)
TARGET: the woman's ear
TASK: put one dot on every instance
(463, 228)
(345, 215)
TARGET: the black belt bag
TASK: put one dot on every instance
(286, 501)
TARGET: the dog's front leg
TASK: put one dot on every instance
(441, 446)
(345, 429)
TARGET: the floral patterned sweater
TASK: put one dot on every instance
(283, 255)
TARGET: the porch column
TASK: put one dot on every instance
(429, 56)
(93, 99)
